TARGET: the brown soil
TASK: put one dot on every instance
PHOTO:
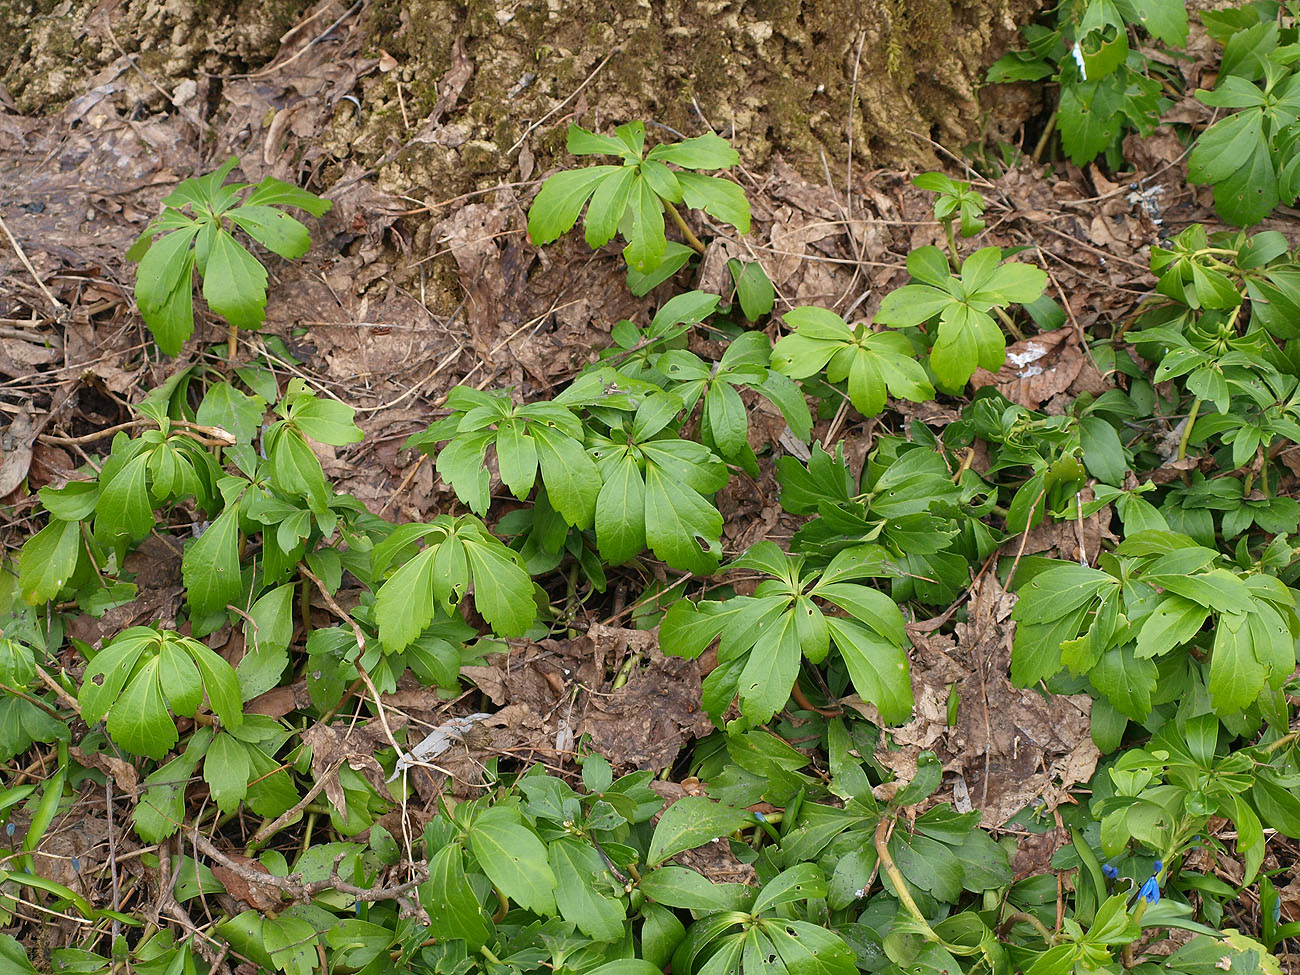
(466, 82)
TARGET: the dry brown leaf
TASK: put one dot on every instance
(1037, 368)
(16, 451)
(260, 897)
(646, 722)
(1013, 746)
(330, 748)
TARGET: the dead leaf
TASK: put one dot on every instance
(1036, 369)
(1013, 746)
(646, 722)
(125, 778)
(260, 897)
(356, 746)
(16, 452)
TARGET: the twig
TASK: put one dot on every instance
(212, 436)
(293, 885)
(346, 617)
(57, 688)
(545, 118)
(272, 68)
(13, 242)
(270, 829)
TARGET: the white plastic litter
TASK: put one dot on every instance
(437, 741)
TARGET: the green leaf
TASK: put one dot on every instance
(234, 283)
(1103, 452)
(1165, 20)
(708, 151)
(454, 910)
(514, 859)
(789, 399)
(164, 288)
(324, 420)
(161, 808)
(753, 288)
(770, 672)
(226, 769)
(576, 864)
(644, 228)
(273, 229)
(1236, 676)
(210, 567)
(226, 407)
(48, 560)
(503, 590)
(580, 142)
(675, 258)
(404, 604)
(516, 457)
(608, 204)
(877, 667)
(1126, 680)
(1174, 622)
(691, 822)
(681, 527)
(621, 511)
(461, 465)
(720, 198)
(139, 720)
(276, 192)
(123, 513)
(291, 943)
(15, 957)
(684, 888)
(727, 418)
(560, 201)
(571, 477)
(912, 305)
(267, 633)
(1091, 114)
(803, 882)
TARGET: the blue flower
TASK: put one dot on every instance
(1157, 867)
(1109, 871)
(1150, 891)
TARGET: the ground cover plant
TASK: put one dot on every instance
(283, 819)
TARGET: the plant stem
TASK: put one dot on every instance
(686, 231)
(1043, 139)
(232, 344)
(1187, 430)
(951, 234)
(1010, 325)
(1005, 927)
(881, 842)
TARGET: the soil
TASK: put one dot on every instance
(806, 79)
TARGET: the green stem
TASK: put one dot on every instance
(304, 604)
(1043, 139)
(1126, 956)
(486, 952)
(951, 234)
(686, 231)
(881, 842)
(1033, 922)
(1010, 325)
(1187, 430)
